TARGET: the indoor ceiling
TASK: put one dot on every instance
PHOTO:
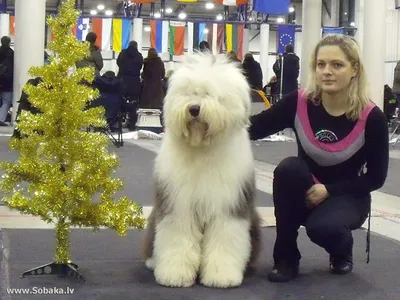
(192, 10)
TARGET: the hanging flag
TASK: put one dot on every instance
(285, 36)
(176, 38)
(159, 35)
(81, 29)
(12, 25)
(197, 32)
(102, 28)
(234, 39)
(232, 2)
(333, 30)
(272, 7)
(121, 34)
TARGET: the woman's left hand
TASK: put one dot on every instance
(316, 194)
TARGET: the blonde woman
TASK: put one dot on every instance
(339, 131)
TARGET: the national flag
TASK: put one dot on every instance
(272, 7)
(102, 28)
(121, 34)
(232, 2)
(12, 25)
(197, 32)
(332, 30)
(176, 38)
(81, 29)
(286, 35)
(159, 35)
(234, 39)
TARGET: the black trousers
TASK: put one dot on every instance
(328, 225)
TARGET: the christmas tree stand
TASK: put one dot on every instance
(56, 269)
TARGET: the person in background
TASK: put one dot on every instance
(153, 75)
(253, 72)
(396, 83)
(291, 70)
(6, 78)
(204, 46)
(232, 56)
(343, 155)
(95, 58)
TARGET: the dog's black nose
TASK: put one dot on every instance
(194, 110)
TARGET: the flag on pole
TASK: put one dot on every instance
(333, 30)
(81, 29)
(121, 34)
(286, 35)
(176, 38)
(234, 39)
(12, 25)
(102, 28)
(159, 35)
(232, 2)
(197, 32)
(272, 7)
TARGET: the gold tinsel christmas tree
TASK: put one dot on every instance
(61, 166)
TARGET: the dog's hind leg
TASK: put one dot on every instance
(177, 251)
(226, 252)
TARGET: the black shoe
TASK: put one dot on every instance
(284, 272)
(340, 266)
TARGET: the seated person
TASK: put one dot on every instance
(343, 155)
(110, 88)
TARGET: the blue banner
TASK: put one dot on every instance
(333, 30)
(272, 7)
(285, 37)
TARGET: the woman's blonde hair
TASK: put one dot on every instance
(357, 94)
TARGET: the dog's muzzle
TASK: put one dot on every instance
(194, 110)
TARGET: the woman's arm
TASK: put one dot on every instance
(278, 117)
(377, 159)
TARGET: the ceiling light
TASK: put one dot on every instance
(291, 9)
(219, 17)
(147, 28)
(100, 7)
(210, 5)
(157, 15)
(93, 12)
(205, 30)
(182, 16)
(109, 12)
(168, 10)
(352, 24)
(280, 20)
(250, 19)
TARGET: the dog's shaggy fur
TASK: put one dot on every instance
(204, 221)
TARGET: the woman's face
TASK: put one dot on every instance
(333, 71)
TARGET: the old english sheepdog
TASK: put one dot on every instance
(204, 221)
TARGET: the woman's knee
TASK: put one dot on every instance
(292, 168)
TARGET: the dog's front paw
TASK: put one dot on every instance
(219, 277)
(175, 277)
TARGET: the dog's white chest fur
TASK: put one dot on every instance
(205, 184)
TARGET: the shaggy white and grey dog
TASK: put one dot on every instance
(204, 222)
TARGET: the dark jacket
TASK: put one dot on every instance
(25, 105)
(6, 69)
(130, 63)
(253, 73)
(291, 69)
(153, 75)
(94, 60)
(110, 89)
